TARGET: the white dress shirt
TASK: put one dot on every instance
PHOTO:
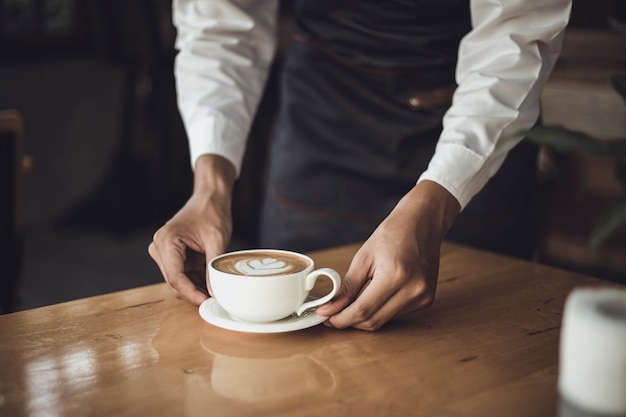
(226, 48)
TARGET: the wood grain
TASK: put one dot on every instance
(487, 347)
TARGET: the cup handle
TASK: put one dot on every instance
(310, 281)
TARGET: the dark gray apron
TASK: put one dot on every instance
(359, 118)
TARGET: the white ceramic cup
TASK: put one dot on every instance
(260, 285)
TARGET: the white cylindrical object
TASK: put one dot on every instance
(592, 364)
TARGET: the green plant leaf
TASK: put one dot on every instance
(565, 140)
(608, 223)
(619, 83)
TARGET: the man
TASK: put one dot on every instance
(366, 146)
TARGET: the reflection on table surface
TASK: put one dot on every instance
(488, 347)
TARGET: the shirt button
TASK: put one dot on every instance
(414, 102)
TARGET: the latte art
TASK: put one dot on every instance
(266, 285)
(259, 263)
(266, 266)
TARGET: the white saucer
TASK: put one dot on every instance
(213, 313)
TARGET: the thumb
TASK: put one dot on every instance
(355, 280)
(211, 249)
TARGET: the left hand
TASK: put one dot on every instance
(395, 271)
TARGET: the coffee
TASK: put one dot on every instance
(261, 263)
(265, 285)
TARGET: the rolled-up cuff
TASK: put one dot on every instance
(460, 171)
(203, 139)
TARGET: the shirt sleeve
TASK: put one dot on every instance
(503, 65)
(225, 49)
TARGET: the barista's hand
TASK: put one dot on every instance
(401, 259)
(199, 231)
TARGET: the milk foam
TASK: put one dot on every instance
(264, 266)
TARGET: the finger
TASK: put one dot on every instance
(186, 289)
(173, 264)
(352, 284)
(195, 268)
(212, 248)
(404, 301)
(189, 274)
(208, 284)
(364, 308)
(397, 305)
(154, 254)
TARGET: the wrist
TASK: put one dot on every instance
(214, 173)
(433, 203)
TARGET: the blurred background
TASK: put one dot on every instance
(102, 158)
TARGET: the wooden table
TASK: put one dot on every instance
(488, 347)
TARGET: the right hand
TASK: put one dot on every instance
(201, 230)
(395, 271)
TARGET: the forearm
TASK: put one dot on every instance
(430, 209)
(396, 269)
(199, 231)
(214, 175)
(226, 48)
(503, 65)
